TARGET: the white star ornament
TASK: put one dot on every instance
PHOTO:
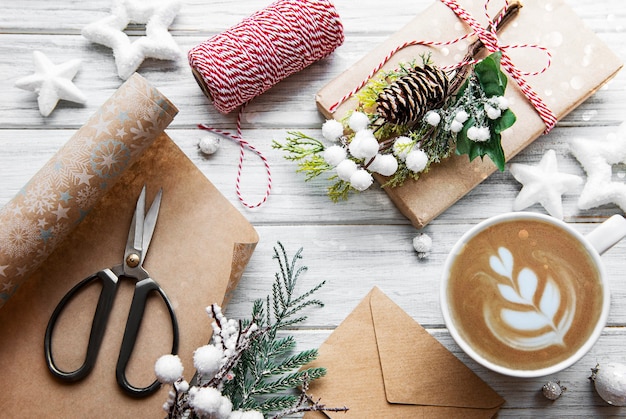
(543, 184)
(52, 82)
(598, 158)
(157, 43)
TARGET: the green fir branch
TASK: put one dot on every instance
(339, 191)
(290, 381)
(299, 145)
(269, 367)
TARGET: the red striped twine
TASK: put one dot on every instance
(246, 60)
(490, 39)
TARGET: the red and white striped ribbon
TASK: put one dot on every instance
(491, 41)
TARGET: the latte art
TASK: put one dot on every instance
(524, 294)
(531, 322)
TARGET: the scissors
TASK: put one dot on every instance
(139, 236)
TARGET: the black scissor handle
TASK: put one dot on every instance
(103, 309)
(135, 315)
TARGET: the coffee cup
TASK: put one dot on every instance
(527, 295)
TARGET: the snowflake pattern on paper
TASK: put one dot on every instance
(71, 182)
(109, 158)
(39, 198)
(19, 238)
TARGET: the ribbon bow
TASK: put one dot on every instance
(490, 40)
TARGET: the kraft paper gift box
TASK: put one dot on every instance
(199, 250)
(581, 63)
(382, 364)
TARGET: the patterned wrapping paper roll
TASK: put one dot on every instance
(59, 196)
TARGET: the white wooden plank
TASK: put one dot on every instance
(353, 245)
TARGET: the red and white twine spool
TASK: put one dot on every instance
(244, 61)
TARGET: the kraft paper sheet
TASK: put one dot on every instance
(581, 63)
(199, 250)
(382, 364)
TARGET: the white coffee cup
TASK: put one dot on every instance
(595, 243)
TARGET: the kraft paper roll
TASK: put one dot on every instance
(59, 196)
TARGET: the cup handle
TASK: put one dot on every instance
(607, 234)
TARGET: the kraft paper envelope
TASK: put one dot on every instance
(382, 364)
(199, 250)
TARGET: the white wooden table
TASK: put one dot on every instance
(352, 245)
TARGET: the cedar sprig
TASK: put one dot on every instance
(267, 367)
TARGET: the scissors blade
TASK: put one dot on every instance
(135, 234)
(150, 223)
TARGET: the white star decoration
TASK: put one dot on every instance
(158, 42)
(543, 184)
(52, 82)
(598, 158)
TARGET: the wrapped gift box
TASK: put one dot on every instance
(580, 64)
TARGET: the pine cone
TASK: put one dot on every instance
(406, 100)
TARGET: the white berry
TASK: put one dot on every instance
(334, 155)
(422, 243)
(332, 130)
(361, 180)
(552, 390)
(358, 121)
(346, 169)
(610, 382)
(209, 144)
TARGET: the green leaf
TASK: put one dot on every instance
(495, 151)
(506, 120)
(491, 79)
(473, 149)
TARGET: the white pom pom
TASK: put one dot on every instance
(332, 130)
(346, 169)
(432, 118)
(484, 134)
(478, 134)
(209, 402)
(472, 133)
(402, 146)
(358, 121)
(422, 243)
(334, 155)
(209, 144)
(416, 160)
(361, 180)
(461, 116)
(168, 369)
(456, 126)
(207, 360)
(182, 386)
(503, 103)
(492, 113)
(364, 145)
(385, 164)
